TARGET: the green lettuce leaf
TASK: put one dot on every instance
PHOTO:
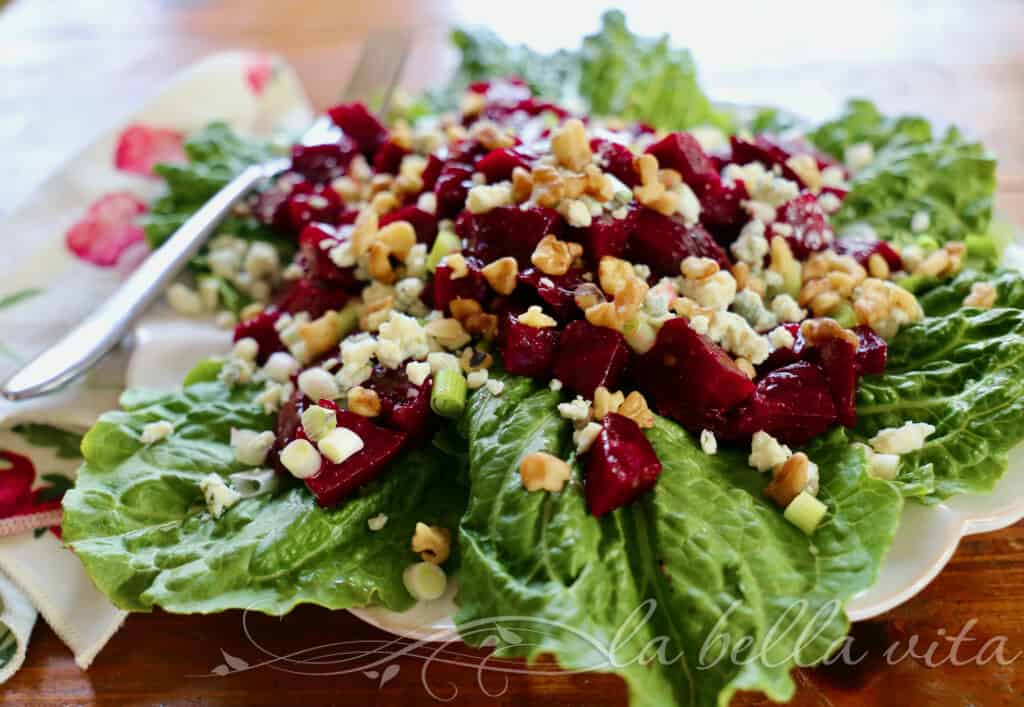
(962, 372)
(704, 553)
(948, 177)
(137, 520)
(615, 73)
(949, 297)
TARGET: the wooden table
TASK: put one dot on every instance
(956, 62)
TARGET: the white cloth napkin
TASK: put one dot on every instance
(45, 289)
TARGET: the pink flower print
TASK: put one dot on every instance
(140, 147)
(258, 73)
(108, 229)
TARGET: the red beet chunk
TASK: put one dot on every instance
(312, 202)
(811, 230)
(360, 125)
(270, 207)
(872, 352)
(682, 152)
(621, 465)
(689, 377)
(770, 150)
(527, 351)
(861, 249)
(403, 406)
(497, 165)
(471, 286)
(452, 187)
(783, 357)
(313, 296)
(793, 404)
(721, 210)
(590, 356)
(507, 231)
(431, 172)
(317, 260)
(838, 360)
(388, 157)
(322, 163)
(616, 159)
(288, 426)
(424, 223)
(335, 482)
(261, 328)
(608, 235)
(662, 242)
(556, 293)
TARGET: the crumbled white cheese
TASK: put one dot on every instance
(219, 496)
(858, 156)
(209, 293)
(477, 379)
(829, 202)
(251, 447)
(762, 185)
(358, 350)
(401, 337)
(708, 442)
(751, 246)
(483, 198)
(781, 338)
(184, 300)
(495, 387)
(709, 137)
(377, 522)
(417, 372)
(700, 324)
(440, 360)
(280, 367)
(787, 309)
(339, 444)
(584, 437)
(246, 348)
(555, 385)
(749, 305)
(907, 438)
(735, 335)
(920, 221)
(689, 205)
(224, 262)
(317, 384)
(254, 482)
(262, 261)
(317, 422)
(715, 292)
(301, 459)
(156, 431)
(235, 371)
(766, 452)
(579, 410)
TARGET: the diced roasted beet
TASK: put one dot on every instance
(621, 465)
(861, 249)
(616, 159)
(785, 356)
(557, 293)
(872, 352)
(793, 404)
(662, 242)
(321, 163)
(424, 223)
(451, 187)
(838, 360)
(608, 235)
(770, 150)
(689, 377)
(507, 231)
(270, 207)
(313, 296)
(261, 329)
(472, 285)
(497, 165)
(360, 125)
(404, 406)
(388, 157)
(721, 210)
(590, 356)
(682, 152)
(335, 482)
(431, 172)
(526, 350)
(811, 229)
(313, 202)
(317, 260)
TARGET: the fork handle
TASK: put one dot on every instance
(106, 326)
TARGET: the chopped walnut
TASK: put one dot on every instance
(457, 263)
(375, 313)
(462, 307)
(433, 543)
(364, 231)
(789, 479)
(448, 332)
(384, 202)
(363, 401)
(747, 367)
(543, 471)
(878, 266)
(806, 167)
(606, 402)
(555, 257)
(635, 408)
(821, 264)
(694, 268)
(548, 187)
(885, 306)
(599, 185)
(491, 135)
(571, 146)
(482, 324)
(399, 237)
(501, 275)
(613, 274)
(983, 295)
(535, 317)
(740, 273)
(379, 266)
(944, 262)
(587, 295)
(522, 185)
(818, 331)
(475, 360)
(321, 335)
(652, 193)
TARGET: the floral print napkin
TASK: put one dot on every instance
(65, 249)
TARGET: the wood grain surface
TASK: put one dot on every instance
(70, 68)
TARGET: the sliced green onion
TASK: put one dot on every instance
(446, 243)
(926, 243)
(448, 398)
(844, 315)
(805, 512)
(348, 319)
(916, 283)
(983, 247)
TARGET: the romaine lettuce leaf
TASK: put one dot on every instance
(615, 73)
(716, 558)
(949, 178)
(962, 372)
(137, 520)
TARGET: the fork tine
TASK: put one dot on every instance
(379, 68)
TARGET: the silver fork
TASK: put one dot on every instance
(380, 66)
